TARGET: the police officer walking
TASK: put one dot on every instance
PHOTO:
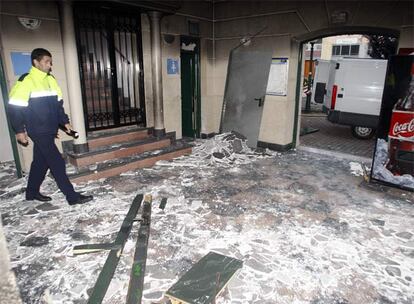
(36, 110)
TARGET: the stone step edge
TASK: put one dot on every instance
(108, 149)
(133, 165)
(130, 151)
(116, 137)
(117, 131)
(102, 141)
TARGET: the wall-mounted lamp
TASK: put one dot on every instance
(29, 23)
(169, 38)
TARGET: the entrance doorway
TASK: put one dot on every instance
(190, 87)
(328, 117)
(112, 75)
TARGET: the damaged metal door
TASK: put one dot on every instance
(244, 95)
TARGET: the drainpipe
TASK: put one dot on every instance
(72, 75)
(155, 21)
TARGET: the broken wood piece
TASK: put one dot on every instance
(136, 282)
(108, 270)
(366, 175)
(205, 280)
(92, 248)
(163, 203)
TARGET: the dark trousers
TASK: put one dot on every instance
(47, 156)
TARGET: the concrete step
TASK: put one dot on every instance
(110, 137)
(120, 150)
(117, 166)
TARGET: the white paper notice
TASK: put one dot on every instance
(278, 77)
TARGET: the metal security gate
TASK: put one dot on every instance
(110, 54)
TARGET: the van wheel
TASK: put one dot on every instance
(362, 132)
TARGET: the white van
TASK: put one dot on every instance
(354, 94)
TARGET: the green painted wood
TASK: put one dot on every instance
(205, 280)
(308, 130)
(4, 92)
(163, 203)
(187, 93)
(92, 248)
(190, 88)
(108, 270)
(136, 282)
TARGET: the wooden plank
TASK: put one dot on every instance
(163, 203)
(108, 270)
(136, 282)
(205, 280)
(91, 248)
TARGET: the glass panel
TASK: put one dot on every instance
(128, 69)
(345, 50)
(96, 71)
(354, 50)
(110, 59)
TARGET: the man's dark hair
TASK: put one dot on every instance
(38, 54)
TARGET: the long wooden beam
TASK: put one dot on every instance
(108, 270)
(136, 282)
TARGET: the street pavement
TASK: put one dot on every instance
(333, 137)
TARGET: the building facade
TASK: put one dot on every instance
(125, 62)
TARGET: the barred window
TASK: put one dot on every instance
(345, 50)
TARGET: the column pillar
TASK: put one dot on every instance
(156, 60)
(72, 75)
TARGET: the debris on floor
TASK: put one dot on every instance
(204, 282)
(306, 229)
(105, 276)
(380, 171)
(356, 169)
(224, 150)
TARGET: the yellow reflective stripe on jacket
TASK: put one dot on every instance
(35, 84)
(20, 94)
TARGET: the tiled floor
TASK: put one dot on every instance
(333, 137)
(307, 228)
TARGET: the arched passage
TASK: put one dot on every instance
(322, 33)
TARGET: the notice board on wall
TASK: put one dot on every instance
(172, 66)
(278, 77)
(21, 62)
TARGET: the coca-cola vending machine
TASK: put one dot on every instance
(393, 161)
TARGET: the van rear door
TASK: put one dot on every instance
(360, 85)
(330, 84)
(321, 80)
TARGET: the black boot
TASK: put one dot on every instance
(39, 197)
(82, 199)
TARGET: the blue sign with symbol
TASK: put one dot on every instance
(21, 62)
(172, 66)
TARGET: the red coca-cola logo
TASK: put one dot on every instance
(404, 127)
(402, 124)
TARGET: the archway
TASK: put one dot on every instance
(301, 40)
